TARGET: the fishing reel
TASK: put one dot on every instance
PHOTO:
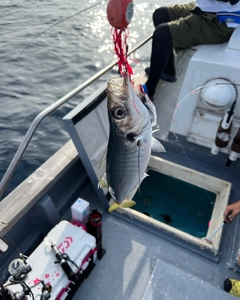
(6, 294)
(19, 268)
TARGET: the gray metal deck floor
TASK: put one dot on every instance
(140, 265)
(184, 283)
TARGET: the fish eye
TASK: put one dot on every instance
(119, 113)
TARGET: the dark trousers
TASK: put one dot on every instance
(162, 57)
(178, 26)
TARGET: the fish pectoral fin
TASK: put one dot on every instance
(103, 160)
(103, 181)
(124, 204)
(157, 146)
(144, 176)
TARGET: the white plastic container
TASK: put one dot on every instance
(80, 211)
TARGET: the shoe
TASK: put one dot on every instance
(164, 76)
(232, 286)
(144, 86)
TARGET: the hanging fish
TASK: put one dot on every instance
(131, 119)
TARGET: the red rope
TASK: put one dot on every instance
(121, 49)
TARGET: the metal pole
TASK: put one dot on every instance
(215, 231)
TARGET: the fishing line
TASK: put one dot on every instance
(185, 98)
(67, 18)
(228, 241)
(181, 103)
(139, 179)
(4, 272)
(16, 247)
(197, 90)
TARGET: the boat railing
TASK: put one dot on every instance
(38, 119)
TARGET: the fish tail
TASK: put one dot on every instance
(124, 204)
(114, 206)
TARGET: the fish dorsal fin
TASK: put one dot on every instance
(103, 160)
(157, 146)
(103, 181)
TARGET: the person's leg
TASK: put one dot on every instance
(160, 56)
(196, 30)
(160, 16)
(176, 12)
(166, 14)
(186, 32)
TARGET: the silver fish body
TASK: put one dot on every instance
(130, 138)
(126, 164)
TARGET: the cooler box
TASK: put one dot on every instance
(70, 239)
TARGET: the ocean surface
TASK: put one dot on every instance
(43, 58)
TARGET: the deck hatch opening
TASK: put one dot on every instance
(186, 224)
(176, 203)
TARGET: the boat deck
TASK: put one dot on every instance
(139, 262)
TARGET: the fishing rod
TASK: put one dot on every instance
(62, 259)
(208, 239)
(224, 130)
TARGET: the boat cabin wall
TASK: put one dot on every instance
(210, 86)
